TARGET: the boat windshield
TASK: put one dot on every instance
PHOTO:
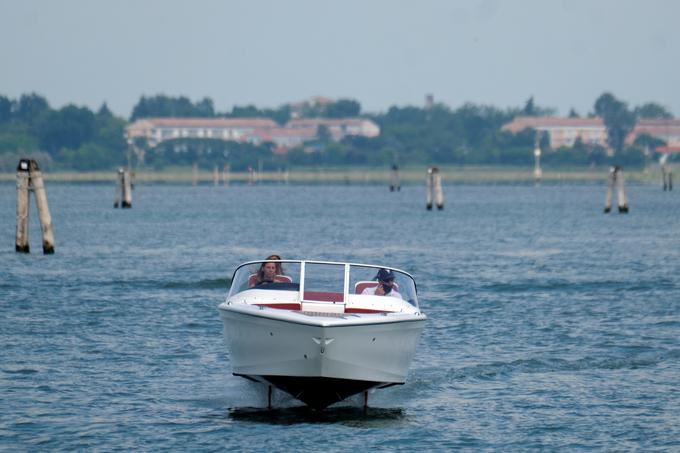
(284, 276)
(325, 281)
(374, 280)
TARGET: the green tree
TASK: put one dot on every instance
(648, 142)
(89, 156)
(531, 109)
(205, 108)
(281, 115)
(109, 133)
(30, 108)
(652, 110)
(5, 109)
(618, 120)
(343, 108)
(68, 127)
(323, 134)
(162, 106)
(248, 111)
(16, 137)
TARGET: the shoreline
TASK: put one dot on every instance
(351, 176)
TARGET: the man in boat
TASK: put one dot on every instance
(386, 285)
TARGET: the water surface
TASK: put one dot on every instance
(551, 325)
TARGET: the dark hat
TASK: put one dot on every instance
(385, 275)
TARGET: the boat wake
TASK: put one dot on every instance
(498, 369)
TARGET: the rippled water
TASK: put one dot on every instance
(551, 325)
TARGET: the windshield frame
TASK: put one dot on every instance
(347, 267)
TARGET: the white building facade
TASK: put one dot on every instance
(249, 130)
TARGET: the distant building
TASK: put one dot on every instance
(249, 130)
(338, 128)
(667, 130)
(157, 130)
(286, 138)
(297, 109)
(563, 132)
(429, 101)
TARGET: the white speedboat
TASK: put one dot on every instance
(321, 331)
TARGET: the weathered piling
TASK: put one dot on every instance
(226, 174)
(194, 174)
(22, 207)
(434, 188)
(667, 176)
(429, 183)
(127, 189)
(438, 191)
(123, 189)
(251, 176)
(216, 176)
(29, 177)
(538, 173)
(615, 181)
(38, 187)
(623, 203)
(611, 181)
(395, 184)
(119, 188)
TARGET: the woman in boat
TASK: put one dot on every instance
(269, 272)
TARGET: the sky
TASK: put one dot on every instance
(381, 53)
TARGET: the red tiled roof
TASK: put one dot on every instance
(311, 122)
(644, 125)
(668, 149)
(212, 122)
(271, 134)
(523, 122)
(658, 127)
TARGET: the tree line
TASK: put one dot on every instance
(161, 106)
(77, 138)
(71, 137)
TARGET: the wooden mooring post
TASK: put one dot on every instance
(538, 173)
(434, 188)
(667, 176)
(226, 174)
(395, 184)
(251, 176)
(123, 189)
(22, 207)
(29, 177)
(119, 188)
(616, 182)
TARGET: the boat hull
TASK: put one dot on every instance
(320, 360)
(318, 392)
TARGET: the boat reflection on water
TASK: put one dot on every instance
(346, 415)
(321, 331)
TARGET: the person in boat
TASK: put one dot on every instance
(269, 272)
(386, 285)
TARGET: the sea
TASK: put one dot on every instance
(551, 325)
